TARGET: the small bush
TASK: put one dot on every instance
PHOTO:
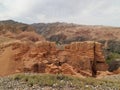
(112, 57)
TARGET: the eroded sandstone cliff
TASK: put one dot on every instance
(78, 58)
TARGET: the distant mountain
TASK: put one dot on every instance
(13, 26)
(66, 33)
(10, 29)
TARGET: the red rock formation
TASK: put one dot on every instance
(83, 58)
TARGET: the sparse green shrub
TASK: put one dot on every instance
(112, 57)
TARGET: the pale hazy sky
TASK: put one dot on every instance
(92, 12)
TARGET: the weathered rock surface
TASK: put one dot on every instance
(84, 58)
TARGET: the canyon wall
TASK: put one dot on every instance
(77, 58)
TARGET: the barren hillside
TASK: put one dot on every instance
(66, 33)
(15, 27)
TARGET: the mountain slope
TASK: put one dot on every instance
(66, 33)
(14, 27)
(14, 30)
